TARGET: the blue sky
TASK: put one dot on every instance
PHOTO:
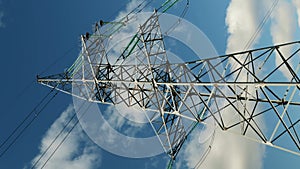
(34, 34)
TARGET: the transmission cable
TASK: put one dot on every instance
(262, 23)
(65, 137)
(207, 151)
(182, 15)
(58, 59)
(56, 137)
(24, 120)
(258, 30)
(36, 114)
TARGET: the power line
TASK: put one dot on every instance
(262, 23)
(259, 27)
(36, 114)
(34, 109)
(52, 142)
(57, 136)
(65, 137)
(58, 59)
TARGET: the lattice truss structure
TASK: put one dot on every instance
(254, 93)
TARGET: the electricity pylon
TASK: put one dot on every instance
(254, 93)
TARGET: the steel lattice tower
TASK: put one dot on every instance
(239, 91)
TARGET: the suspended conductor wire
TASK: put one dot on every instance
(117, 11)
(58, 146)
(24, 120)
(66, 136)
(262, 23)
(182, 15)
(121, 21)
(137, 10)
(259, 28)
(36, 114)
(53, 141)
(58, 59)
(56, 137)
(257, 31)
(206, 153)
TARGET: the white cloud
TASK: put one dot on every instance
(129, 7)
(242, 19)
(297, 5)
(283, 22)
(121, 115)
(228, 151)
(283, 28)
(76, 152)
